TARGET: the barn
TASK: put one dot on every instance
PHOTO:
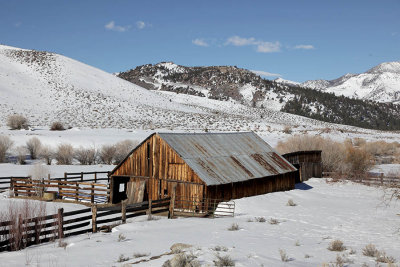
(309, 163)
(199, 166)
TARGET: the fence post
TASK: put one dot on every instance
(77, 192)
(92, 195)
(123, 211)
(172, 202)
(37, 231)
(149, 210)
(94, 216)
(65, 176)
(95, 177)
(81, 176)
(60, 218)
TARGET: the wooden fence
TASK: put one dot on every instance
(20, 233)
(203, 208)
(376, 179)
(5, 182)
(77, 191)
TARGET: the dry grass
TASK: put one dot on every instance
(221, 261)
(140, 255)
(122, 258)
(121, 237)
(284, 256)
(57, 126)
(273, 221)
(220, 248)
(336, 245)
(260, 219)
(370, 251)
(287, 129)
(85, 156)
(33, 146)
(182, 259)
(123, 148)
(383, 258)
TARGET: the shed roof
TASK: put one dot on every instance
(221, 158)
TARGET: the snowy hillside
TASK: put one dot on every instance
(47, 87)
(381, 83)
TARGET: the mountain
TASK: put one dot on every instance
(236, 85)
(47, 87)
(381, 83)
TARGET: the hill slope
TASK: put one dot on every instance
(227, 83)
(48, 87)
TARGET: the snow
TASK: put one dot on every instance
(350, 212)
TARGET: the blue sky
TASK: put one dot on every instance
(298, 40)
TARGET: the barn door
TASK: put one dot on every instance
(136, 191)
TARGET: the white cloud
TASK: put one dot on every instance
(265, 73)
(112, 27)
(305, 47)
(200, 42)
(268, 47)
(261, 46)
(239, 41)
(140, 24)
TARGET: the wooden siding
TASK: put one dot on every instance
(157, 163)
(252, 187)
(309, 163)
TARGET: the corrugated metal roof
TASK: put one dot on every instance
(221, 158)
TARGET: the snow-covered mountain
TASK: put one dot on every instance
(241, 86)
(47, 87)
(381, 83)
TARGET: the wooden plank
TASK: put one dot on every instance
(78, 232)
(79, 219)
(75, 226)
(115, 219)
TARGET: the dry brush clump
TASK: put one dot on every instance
(107, 154)
(46, 153)
(85, 156)
(341, 158)
(223, 260)
(122, 149)
(57, 126)
(17, 122)
(5, 145)
(33, 146)
(336, 245)
(64, 154)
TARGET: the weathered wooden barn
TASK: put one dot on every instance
(308, 162)
(201, 166)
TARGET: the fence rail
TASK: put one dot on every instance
(376, 179)
(5, 182)
(205, 207)
(24, 232)
(77, 191)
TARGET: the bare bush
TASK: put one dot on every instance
(57, 126)
(336, 245)
(284, 256)
(33, 146)
(291, 203)
(17, 122)
(17, 213)
(234, 227)
(64, 154)
(182, 259)
(221, 261)
(85, 156)
(341, 260)
(122, 258)
(287, 129)
(107, 154)
(357, 162)
(370, 251)
(382, 257)
(122, 149)
(5, 144)
(21, 155)
(260, 219)
(220, 248)
(273, 221)
(46, 153)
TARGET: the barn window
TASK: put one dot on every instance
(121, 187)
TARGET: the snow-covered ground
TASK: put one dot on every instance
(353, 213)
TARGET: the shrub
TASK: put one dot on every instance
(291, 203)
(336, 245)
(33, 145)
(21, 155)
(121, 237)
(64, 154)
(357, 161)
(382, 257)
(122, 149)
(370, 251)
(284, 256)
(234, 227)
(341, 260)
(122, 258)
(57, 126)
(182, 259)
(273, 221)
(17, 122)
(260, 219)
(220, 248)
(107, 153)
(5, 144)
(287, 129)
(46, 153)
(223, 261)
(85, 156)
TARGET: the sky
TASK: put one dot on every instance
(296, 40)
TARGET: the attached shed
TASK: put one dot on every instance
(308, 162)
(201, 166)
